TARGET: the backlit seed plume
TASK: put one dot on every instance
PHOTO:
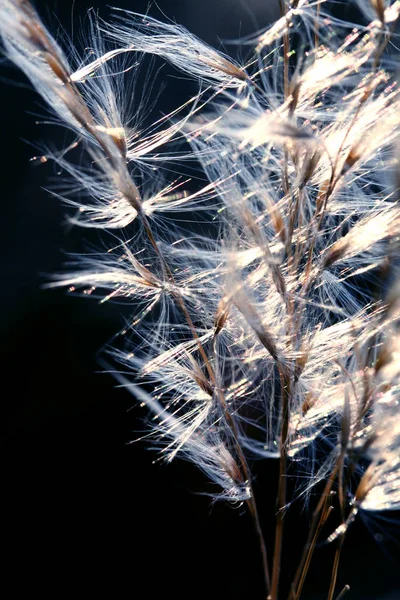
(262, 335)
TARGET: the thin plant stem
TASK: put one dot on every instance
(343, 592)
(316, 525)
(324, 516)
(316, 38)
(286, 49)
(281, 497)
(335, 568)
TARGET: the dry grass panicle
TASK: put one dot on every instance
(278, 334)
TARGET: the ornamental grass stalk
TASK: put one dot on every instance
(272, 332)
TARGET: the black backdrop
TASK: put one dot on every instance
(83, 509)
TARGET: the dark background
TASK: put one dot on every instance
(83, 509)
